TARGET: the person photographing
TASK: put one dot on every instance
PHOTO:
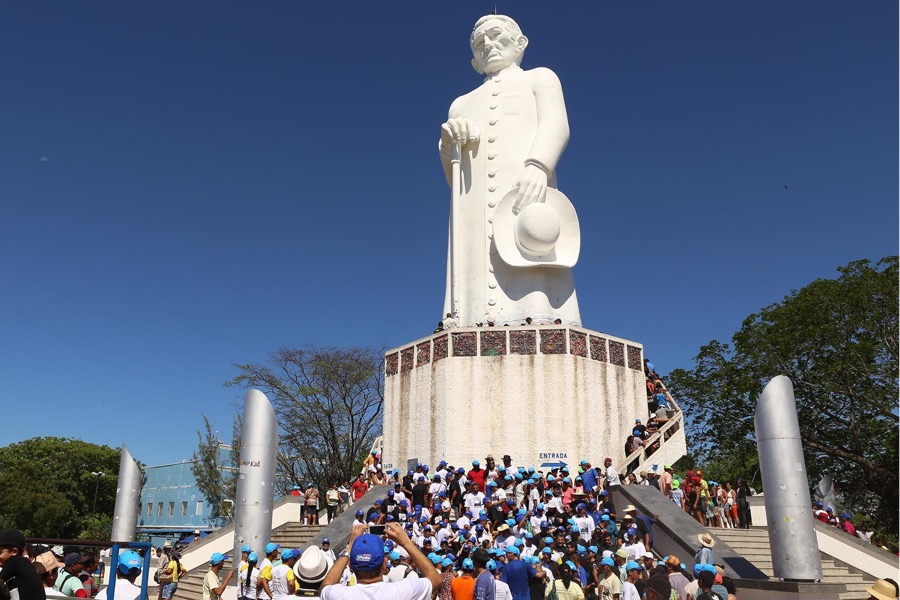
(366, 558)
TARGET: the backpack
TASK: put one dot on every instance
(710, 595)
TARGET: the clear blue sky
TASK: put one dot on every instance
(223, 178)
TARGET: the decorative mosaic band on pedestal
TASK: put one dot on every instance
(503, 341)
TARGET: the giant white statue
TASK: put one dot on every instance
(513, 236)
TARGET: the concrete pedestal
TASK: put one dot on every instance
(544, 395)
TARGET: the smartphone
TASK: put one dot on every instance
(376, 529)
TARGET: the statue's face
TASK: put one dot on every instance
(494, 47)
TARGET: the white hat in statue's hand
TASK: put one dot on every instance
(542, 234)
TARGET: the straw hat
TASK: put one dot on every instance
(313, 565)
(543, 233)
(882, 590)
(707, 540)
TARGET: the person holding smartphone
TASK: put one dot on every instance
(366, 557)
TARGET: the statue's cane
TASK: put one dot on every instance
(455, 195)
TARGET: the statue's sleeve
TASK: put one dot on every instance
(445, 152)
(552, 121)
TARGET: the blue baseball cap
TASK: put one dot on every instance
(253, 557)
(360, 512)
(491, 565)
(367, 552)
(129, 561)
(467, 564)
(245, 548)
(545, 551)
(271, 547)
(394, 555)
(446, 562)
(476, 463)
(548, 540)
(566, 480)
(216, 558)
(604, 518)
(608, 562)
(512, 550)
(286, 554)
(592, 549)
(436, 560)
(633, 566)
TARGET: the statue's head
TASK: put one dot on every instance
(497, 42)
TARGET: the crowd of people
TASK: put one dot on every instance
(536, 531)
(31, 572)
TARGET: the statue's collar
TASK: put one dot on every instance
(504, 72)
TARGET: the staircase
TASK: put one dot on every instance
(289, 535)
(753, 544)
(664, 447)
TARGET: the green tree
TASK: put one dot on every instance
(837, 340)
(47, 488)
(216, 478)
(329, 403)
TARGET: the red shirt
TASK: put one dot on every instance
(359, 488)
(478, 478)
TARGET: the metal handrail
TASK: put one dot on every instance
(641, 453)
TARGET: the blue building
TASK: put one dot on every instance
(172, 505)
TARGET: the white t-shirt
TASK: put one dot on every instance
(474, 502)
(692, 588)
(243, 588)
(410, 588)
(635, 551)
(501, 590)
(629, 592)
(586, 527)
(125, 590)
(401, 572)
(612, 476)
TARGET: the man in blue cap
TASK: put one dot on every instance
(268, 561)
(610, 586)
(279, 581)
(634, 575)
(212, 588)
(127, 571)
(517, 574)
(366, 559)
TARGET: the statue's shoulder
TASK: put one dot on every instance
(541, 75)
